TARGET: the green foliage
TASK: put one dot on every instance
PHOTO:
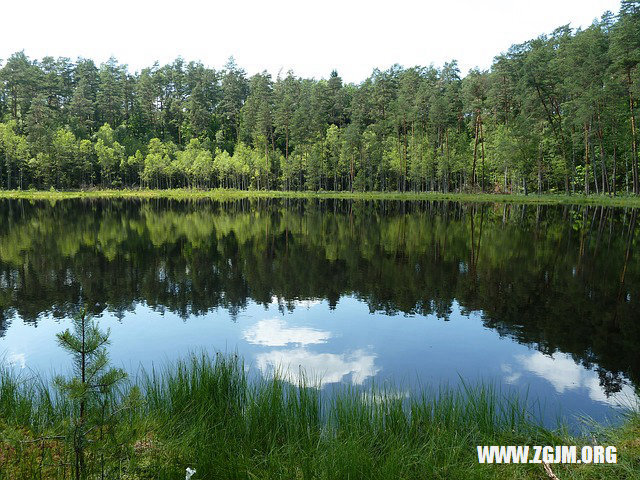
(91, 393)
(563, 100)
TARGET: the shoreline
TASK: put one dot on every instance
(230, 194)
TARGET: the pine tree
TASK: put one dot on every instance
(92, 387)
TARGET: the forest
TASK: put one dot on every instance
(557, 113)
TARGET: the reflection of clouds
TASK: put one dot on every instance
(565, 374)
(307, 303)
(17, 359)
(300, 364)
(273, 332)
(511, 376)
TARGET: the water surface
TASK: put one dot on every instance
(539, 299)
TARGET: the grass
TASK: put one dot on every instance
(204, 412)
(228, 194)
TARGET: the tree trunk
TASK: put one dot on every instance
(79, 448)
(266, 152)
(351, 171)
(634, 146)
(615, 162)
(540, 171)
(475, 156)
(8, 162)
(446, 170)
(605, 180)
(586, 159)
(482, 146)
(286, 144)
(505, 179)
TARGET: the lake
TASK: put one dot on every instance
(542, 300)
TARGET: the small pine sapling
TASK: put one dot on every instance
(92, 389)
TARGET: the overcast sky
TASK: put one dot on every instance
(312, 38)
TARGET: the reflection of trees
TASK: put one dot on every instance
(4, 323)
(562, 278)
(610, 382)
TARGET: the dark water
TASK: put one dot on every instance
(539, 299)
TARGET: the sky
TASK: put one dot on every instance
(311, 38)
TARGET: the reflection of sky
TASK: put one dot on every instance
(296, 364)
(274, 332)
(301, 364)
(564, 374)
(308, 303)
(18, 360)
(347, 344)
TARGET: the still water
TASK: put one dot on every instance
(544, 300)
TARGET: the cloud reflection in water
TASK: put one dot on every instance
(298, 362)
(273, 332)
(565, 374)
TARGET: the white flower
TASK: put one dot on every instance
(190, 473)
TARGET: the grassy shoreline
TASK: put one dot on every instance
(204, 413)
(229, 194)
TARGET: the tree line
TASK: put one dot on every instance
(555, 114)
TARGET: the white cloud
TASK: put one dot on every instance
(274, 332)
(301, 364)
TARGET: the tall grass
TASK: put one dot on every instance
(27, 400)
(205, 412)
